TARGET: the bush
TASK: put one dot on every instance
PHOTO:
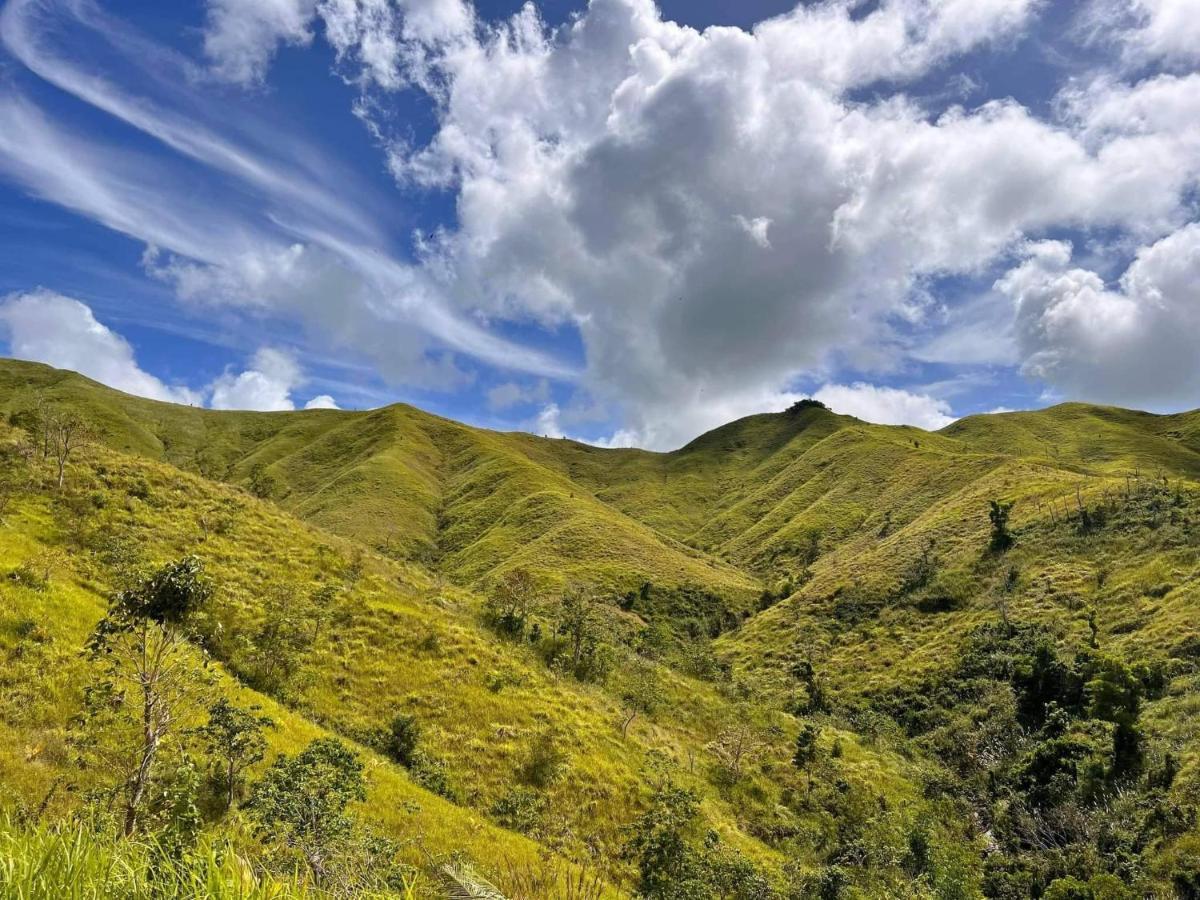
(430, 773)
(521, 809)
(545, 761)
(303, 799)
(403, 735)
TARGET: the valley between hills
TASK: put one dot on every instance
(802, 656)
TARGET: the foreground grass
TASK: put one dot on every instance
(70, 862)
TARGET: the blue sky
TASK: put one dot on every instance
(620, 222)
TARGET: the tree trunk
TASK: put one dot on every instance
(151, 736)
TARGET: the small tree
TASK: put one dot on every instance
(579, 622)
(234, 738)
(641, 693)
(662, 845)
(737, 746)
(818, 700)
(281, 640)
(261, 482)
(998, 513)
(403, 737)
(806, 746)
(511, 601)
(303, 800)
(66, 433)
(143, 645)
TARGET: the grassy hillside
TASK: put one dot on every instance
(864, 689)
(393, 639)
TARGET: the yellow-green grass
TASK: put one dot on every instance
(406, 642)
(448, 507)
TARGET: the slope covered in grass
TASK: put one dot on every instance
(848, 573)
(468, 502)
(389, 638)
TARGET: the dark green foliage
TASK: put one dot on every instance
(302, 801)
(998, 513)
(641, 693)
(806, 403)
(261, 483)
(522, 809)
(142, 649)
(816, 700)
(806, 746)
(430, 773)
(579, 645)
(234, 739)
(545, 761)
(403, 736)
(661, 845)
(677, 858)
(168, 597)
(1049, 742)
(510, 602)
(277, 648)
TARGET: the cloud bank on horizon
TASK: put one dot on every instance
(619, 226)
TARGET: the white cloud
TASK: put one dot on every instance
(266, 385)
(47, 327)
(509, 394)
(886, 406)
(547, 422)
(311, 242)
(757, 229)
(1148, 30)
(716, 212)
(243, 35)
(1134, 344)
(717, 215)
(322, 401)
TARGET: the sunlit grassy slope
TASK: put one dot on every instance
(808, 497)
(398, 640)
(833, 516)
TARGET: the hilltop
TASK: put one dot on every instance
(793, 580)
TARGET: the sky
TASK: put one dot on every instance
(618, 221)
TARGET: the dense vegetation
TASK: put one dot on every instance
(384, 654)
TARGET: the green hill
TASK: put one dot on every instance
(866, 690)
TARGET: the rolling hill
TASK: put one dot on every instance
(828, 615)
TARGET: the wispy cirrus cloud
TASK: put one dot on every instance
(298, 251)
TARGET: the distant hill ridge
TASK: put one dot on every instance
(729, 510)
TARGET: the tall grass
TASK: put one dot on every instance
(78, 863)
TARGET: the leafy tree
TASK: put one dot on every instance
(641, 693)
(149, 687)
(678, 858)
(262, 483)
(660, 845)
(806, 403)
(1114, 695)
(818, 700)
(280, 641)
(303, 800)
(234, 737)
(998, 513)
(403, 737)
(579, 622)
(806, 746)
(511, 601)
